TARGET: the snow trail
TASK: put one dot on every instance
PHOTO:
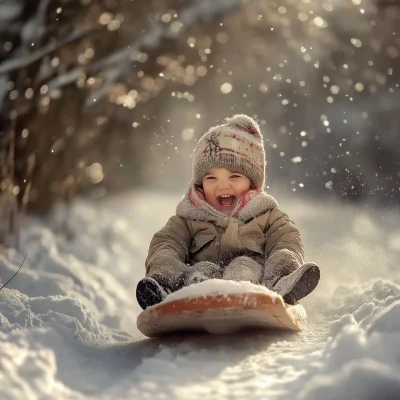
(68, 319)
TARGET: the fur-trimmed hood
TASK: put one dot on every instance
(194, 206)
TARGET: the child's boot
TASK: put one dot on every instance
(152, 290)
(298, 284)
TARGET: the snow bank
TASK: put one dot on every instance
(66, 299)
(361, 358)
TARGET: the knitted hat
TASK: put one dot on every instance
(237, 144)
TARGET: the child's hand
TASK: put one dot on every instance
(195, 277)
(202, 271)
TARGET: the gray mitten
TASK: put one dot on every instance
(243, 269)
(202, 271)
(279, 264)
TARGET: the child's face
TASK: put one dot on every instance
(223, 188)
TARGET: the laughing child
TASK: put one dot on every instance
(227, 226)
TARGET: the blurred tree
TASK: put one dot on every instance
(71, 73)
(90, 90)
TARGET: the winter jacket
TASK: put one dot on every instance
(261, 231)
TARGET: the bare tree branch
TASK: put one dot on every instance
(21, 62)
(194, 12)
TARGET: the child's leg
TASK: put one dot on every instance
(202, 271)
(278, 265)
(161, 280)
(243, 268)
(285, 275)
(154, 288)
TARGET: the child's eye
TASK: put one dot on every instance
(210, 177)
(235, 176)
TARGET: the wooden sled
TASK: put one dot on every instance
(221, 313)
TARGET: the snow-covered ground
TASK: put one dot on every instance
(68, 319)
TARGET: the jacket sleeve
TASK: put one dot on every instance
(284, 249)
(169, 250)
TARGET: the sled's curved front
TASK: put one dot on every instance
(221, 314)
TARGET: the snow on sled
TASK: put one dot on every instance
(220, 307)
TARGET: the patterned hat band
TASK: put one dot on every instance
(236, 145)
(229, 161)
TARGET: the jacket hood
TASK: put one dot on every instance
(194, 206)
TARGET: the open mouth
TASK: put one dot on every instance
(226, 200)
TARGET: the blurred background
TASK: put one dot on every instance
(99, 97)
